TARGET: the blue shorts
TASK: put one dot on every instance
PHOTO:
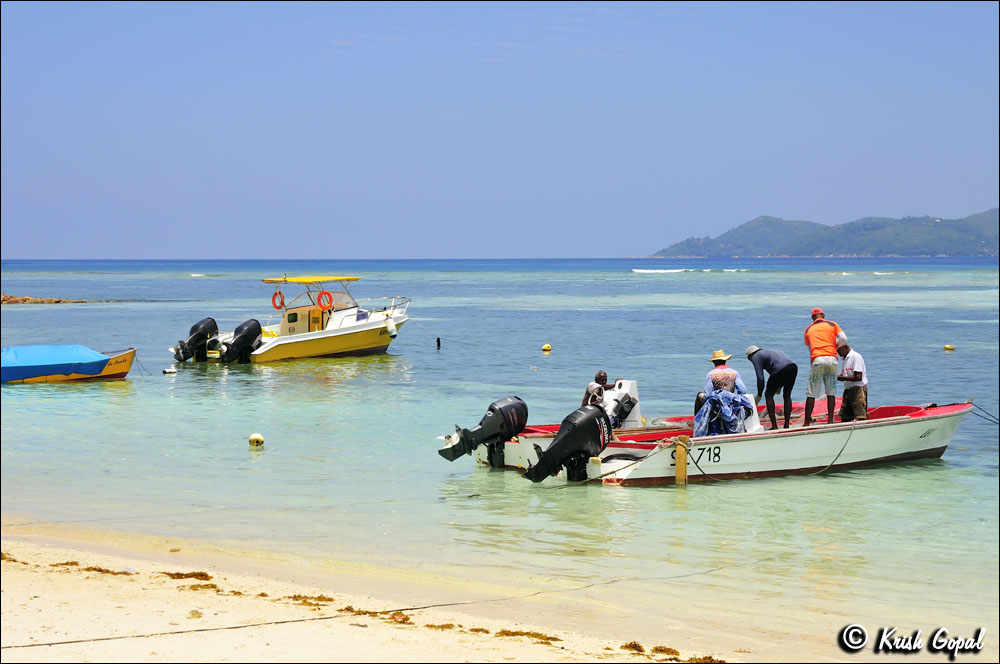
(822, 377)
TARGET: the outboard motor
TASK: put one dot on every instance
(619, 409)
(503, 420)
(246, 339)
(621, 402)
(196, 345)
(584, 433)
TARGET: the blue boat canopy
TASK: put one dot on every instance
(23, 362)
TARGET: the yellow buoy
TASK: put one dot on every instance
(546, 348)
(256, 440)
(949, 347)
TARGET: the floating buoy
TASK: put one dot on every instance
(256, 440)
(546, 348)
(949, 347)
(170, 370)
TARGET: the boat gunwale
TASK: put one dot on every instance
(274, 342)
(925, 414)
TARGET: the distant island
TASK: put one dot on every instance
(763, 237)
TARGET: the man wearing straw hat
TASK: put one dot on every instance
(723, 407)
(723, 377)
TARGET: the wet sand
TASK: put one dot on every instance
(80, 595)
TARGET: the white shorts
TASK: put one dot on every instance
(822, 377)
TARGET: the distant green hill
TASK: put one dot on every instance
(975, 235)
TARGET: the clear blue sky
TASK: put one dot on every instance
(370, 130)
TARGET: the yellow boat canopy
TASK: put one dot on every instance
(307, 280)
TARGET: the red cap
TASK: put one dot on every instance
(817, 310)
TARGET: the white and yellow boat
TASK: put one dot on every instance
(316, 323)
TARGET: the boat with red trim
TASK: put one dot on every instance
(586, 448)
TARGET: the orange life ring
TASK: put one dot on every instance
(329, 299)
(278, 300)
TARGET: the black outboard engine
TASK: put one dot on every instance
(503, 420)
(584, 433)
(246, 339)
(196, 345)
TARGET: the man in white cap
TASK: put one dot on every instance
(854, 404)
(782, 373)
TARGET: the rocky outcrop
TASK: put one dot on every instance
(14, 299)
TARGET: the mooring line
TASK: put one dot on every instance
(439, 337)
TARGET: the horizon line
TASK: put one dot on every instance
(510, 258)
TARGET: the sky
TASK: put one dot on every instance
(457, 130)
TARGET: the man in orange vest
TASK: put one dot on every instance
(821, 337)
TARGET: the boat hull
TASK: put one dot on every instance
(644, 457)
(372, 339)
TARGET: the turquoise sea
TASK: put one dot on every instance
(349, 470)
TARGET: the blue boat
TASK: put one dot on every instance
(50, 364)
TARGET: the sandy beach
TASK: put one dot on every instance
(77, 595)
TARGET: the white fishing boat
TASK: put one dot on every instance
(585, 447)
(316, 323)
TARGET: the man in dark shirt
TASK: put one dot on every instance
(783, 373)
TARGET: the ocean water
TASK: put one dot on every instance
(350, 470)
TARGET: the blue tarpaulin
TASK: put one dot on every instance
(724, 412)
(23, 362)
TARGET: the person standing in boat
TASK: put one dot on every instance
(783, 373)
(821, 337)
(854, 405)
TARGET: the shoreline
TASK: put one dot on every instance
(72, 594)
(75, 593)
